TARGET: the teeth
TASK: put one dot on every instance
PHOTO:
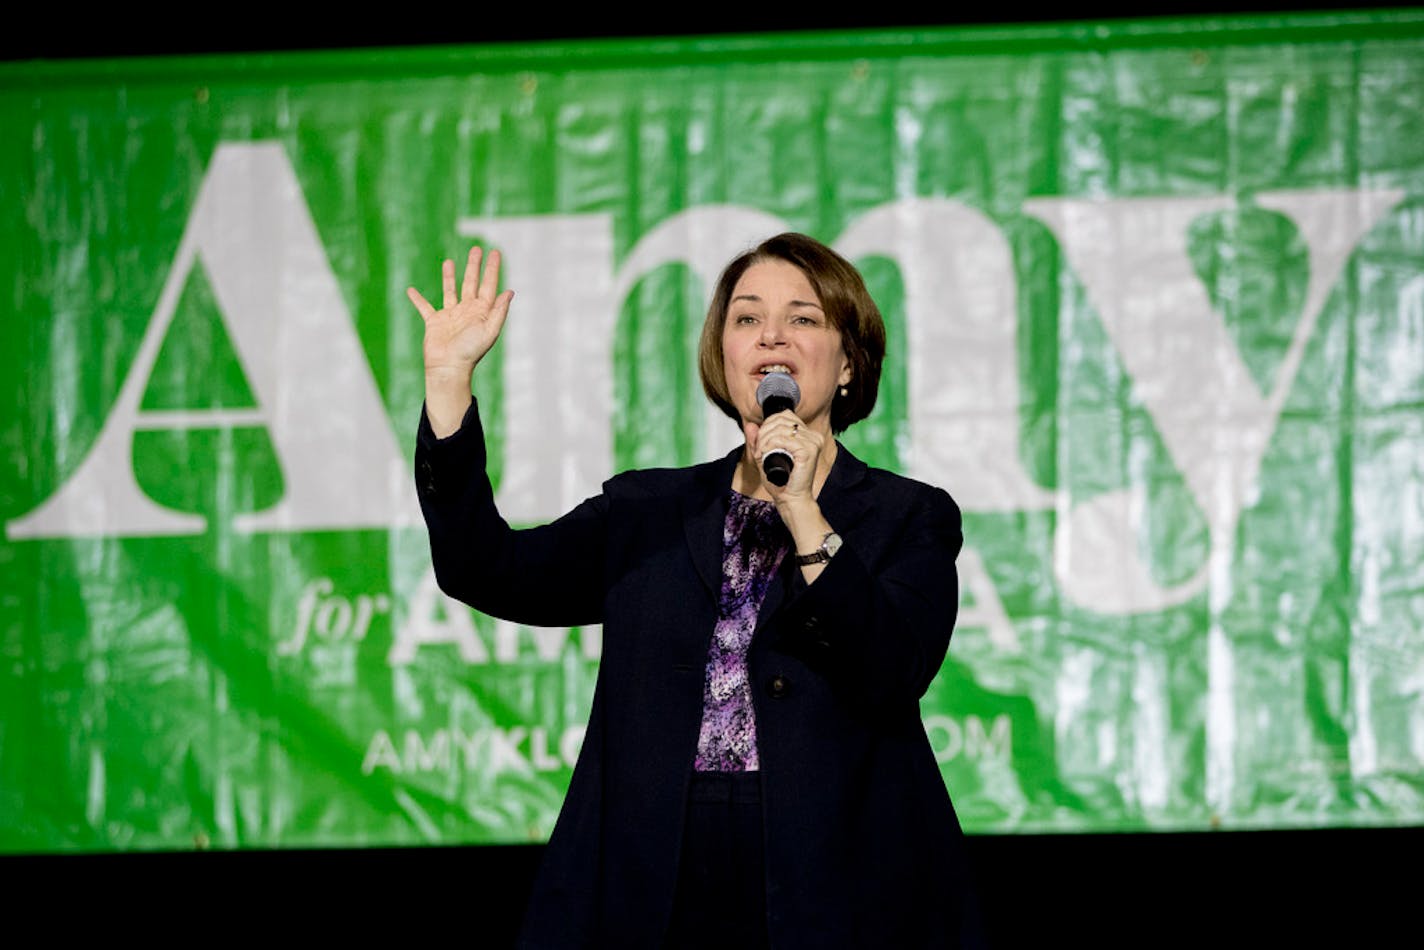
(776, 368)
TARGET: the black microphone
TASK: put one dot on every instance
(778, 392)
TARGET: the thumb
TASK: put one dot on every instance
(500, 311)
(752, 430)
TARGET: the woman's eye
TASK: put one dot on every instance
(803, 319)
(746, 318)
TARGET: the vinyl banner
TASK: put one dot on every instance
(1155, 300)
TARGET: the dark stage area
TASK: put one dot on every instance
(1335, 887)
(104, 33)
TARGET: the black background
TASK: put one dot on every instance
(230, 28)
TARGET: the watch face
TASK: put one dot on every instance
(832, 544)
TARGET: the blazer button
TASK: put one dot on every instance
(778, 686)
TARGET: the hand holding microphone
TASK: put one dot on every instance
(777, 392)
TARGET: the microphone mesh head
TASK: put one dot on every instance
(778, 385)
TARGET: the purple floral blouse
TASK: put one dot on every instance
(754, 541)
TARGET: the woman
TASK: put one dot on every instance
(755, 771)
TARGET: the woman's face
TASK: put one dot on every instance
(775, 324)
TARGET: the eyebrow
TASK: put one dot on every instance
(795, 303)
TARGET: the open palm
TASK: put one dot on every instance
(465, 328)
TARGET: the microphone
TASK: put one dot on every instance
(777, 393)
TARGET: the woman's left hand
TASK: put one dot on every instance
(796, 500)
(785, 432)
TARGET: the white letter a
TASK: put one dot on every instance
(284, 313)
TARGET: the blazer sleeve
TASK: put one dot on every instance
(880, 631)
(551, 575)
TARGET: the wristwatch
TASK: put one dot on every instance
(830, 544)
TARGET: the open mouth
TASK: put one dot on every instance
(776, 368)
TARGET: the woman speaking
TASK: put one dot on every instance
(755, 772)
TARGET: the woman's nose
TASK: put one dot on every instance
(772, 332)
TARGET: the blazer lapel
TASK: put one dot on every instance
(705, 517)
(843, 498)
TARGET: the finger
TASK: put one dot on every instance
(447, 283)
(780, 441)
(781, 425)
(421, 304)
(783, 418)
(472, 272)
(801, 444)
(489, 283)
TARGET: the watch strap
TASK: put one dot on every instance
(830, 544)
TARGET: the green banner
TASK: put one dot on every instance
(1155, 294)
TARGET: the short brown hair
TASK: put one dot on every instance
(847, 306)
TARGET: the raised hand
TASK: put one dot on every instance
(458, 335)
(465, 328)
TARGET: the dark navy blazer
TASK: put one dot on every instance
(863, 848)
